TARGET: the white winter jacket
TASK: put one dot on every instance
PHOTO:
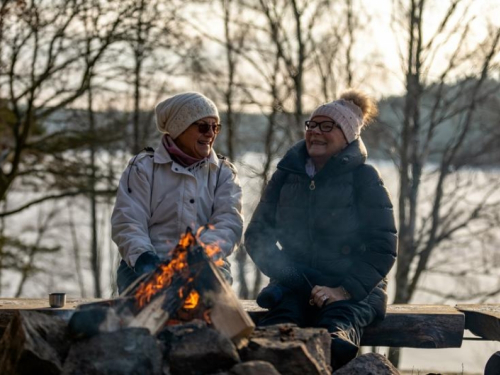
(158, 199)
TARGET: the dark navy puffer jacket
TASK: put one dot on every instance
(338, 227)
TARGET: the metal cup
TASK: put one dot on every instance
(57, 299)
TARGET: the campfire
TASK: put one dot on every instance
(162, 277)
(188, 286)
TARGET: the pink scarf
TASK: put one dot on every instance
(176, 153)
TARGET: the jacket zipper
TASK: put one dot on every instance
(312, 187)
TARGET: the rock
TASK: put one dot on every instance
(92, 321)
(194, 348)
(493, 365)
(254, 368)
(131, 351)
(316, 340)
(33, 343)
(368, 364)
(291, 358)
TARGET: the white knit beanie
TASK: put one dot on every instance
(176, 114)
(345, 113)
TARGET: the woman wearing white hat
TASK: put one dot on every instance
(181, 184)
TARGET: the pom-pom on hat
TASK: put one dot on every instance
(351, 112)
(175, 114)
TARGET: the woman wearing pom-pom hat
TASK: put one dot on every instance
(324, 230)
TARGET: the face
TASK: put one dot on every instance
(196, 144)
(322, 146)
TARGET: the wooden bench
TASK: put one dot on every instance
(427, 326)
(409, 326)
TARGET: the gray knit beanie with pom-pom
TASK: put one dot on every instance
(351, 112)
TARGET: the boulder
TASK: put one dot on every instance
(254, 368)
(368, 364)
(317, 342)
(291, 358)
(33, 343)
(89, 322)
(194, 348)
(131, 351)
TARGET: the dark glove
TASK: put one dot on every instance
(292, 277)
(301, 278)
(146, 262)
(270, 296)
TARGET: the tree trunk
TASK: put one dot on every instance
(94, 251)
(76, 251)
(241, 260)
(229, 94)
(138, 57)
(410, 163)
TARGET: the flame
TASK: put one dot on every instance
(192, 300)
(212, 250)
(164, 274)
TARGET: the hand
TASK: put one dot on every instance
(323, 295)
(146, 262)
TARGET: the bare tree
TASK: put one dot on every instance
(26, 254)
(76, 250)
(46, 67)
(51, 51)
(441, 115)
(151, 41)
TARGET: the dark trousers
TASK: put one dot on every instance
(344, 320)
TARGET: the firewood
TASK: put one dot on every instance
(226, 312)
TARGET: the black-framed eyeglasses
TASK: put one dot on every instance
(203, 127)
(324, 126)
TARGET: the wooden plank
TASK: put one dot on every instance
(417, 326)
(410, 326)
(482, 320)
(7, 304)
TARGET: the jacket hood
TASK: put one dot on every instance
(354, 155)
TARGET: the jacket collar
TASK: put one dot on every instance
(352, 156)
(162, 156)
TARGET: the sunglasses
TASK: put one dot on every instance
(204, 128)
